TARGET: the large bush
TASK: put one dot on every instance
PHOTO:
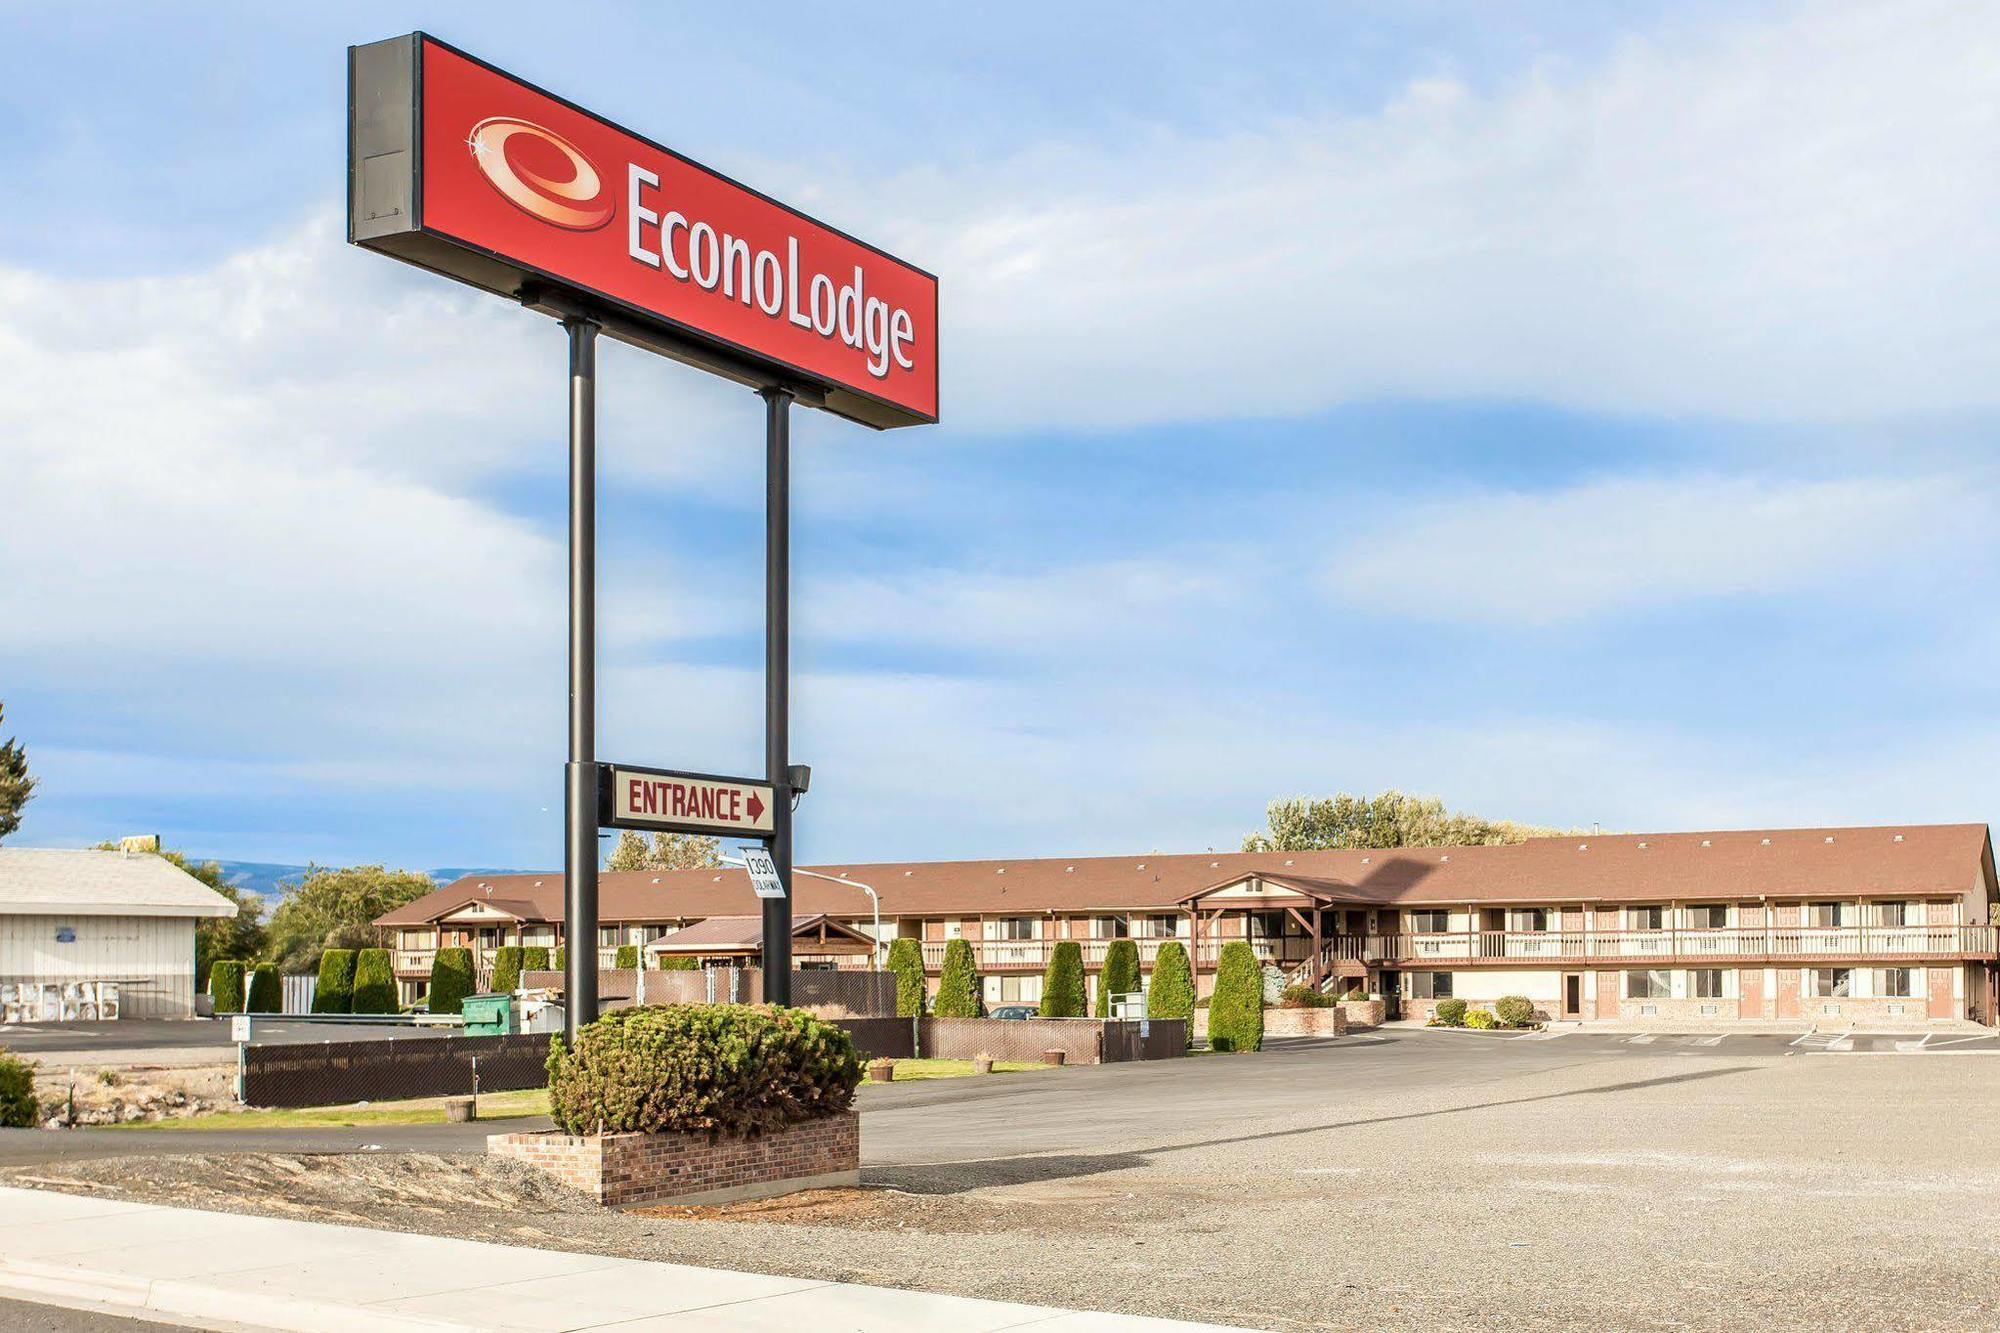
(17, 1092)
(451, 981)
(535, 958)
(1236, 1010)
(267, 993)
(1451, 1013)
(1514, 1011)
(507, 968)
(1119, 976)
(225, 986)
(732, 1069)
(958, 984)
(678, 962)
(1171, 994)
(374, 983)
(561, 960)
(334, 993)
(627, 957)
(1479, 1018)
(906, 960)
(1300, 996)
(1062, 983)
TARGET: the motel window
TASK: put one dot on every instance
(1110, 928)
(1267, 925)
(1161, 926)
(1531, 918)
(1705, 983)
(1430, 985)
(1648, 985)
(607, 937)
(1645, 918)
(1014, 928)
(1832, 983)
(1708, 916)
(1825, 915)
(1895, 914)
(1896, 982)
(1430, 922)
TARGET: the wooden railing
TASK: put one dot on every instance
(1745, 941)
(993, 954)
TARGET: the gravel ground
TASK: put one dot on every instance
(1637, 1192)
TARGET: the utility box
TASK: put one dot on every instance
(490, 1016)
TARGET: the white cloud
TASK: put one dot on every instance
(1616, 544)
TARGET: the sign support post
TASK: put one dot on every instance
(580, 779)
(777, 912)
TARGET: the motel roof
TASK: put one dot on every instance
(1919, 860)
(737, 934)
(36, 881)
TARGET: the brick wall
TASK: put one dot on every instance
(1329, 1022)
(621, 1170)
(1363, 1013)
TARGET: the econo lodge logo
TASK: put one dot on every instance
(540, 172)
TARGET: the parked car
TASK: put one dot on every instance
(1013, 1011)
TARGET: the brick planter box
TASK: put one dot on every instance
(1363, 1013)
(622, 1170)
(1328, 1022)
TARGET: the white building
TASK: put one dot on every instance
(78, 920)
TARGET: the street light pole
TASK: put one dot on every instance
(874, 898)
(580, 774)
(777, 912)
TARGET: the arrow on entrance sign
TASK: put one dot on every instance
(653, 798)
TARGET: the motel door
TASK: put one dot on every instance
(1572, 995)
(1939, 986)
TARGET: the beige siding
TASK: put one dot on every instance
(152, 956)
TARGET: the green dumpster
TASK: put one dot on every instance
(489, 1016)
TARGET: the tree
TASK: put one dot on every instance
(665, 851)
(225, 986)
(1236, 1010)
(507, 968)
(16, 786)
(451, 980)
(334, 993)
(337, 909)
(374, 983)
(906, 960)
(1390, 819)
(1171, 994)
(535, 958)
(267, 993)
(1062, 982)
(1119, 976)
(958, 984)
(627, 958)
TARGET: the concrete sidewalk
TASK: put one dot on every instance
(274, 1273)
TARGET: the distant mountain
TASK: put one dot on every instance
(272, 881)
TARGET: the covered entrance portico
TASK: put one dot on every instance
(1311, 929)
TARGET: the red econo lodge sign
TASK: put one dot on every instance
(468, 171)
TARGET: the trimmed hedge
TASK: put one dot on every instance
(1451, 1013)
(507, 968)
(1479, 1018)
(627, 957)
(1514, 1011)
(1171, 994)
(561, 960)
(267, 993)
(334, 992)
(452, 979)
(18, 1108)
(958, 984)
(1119, 975)
(374, 983)
(715, 1069)
(1299, 996)
(1236, 1010)
(678, 962)
(906, 960)
(1063, 994)
(225, 986)
(535, 958)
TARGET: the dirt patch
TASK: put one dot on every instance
(107, 1095)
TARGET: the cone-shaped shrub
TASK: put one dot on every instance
(678, 962)
(906, 960)
(958, 984)
(561, 960)
(507, 968)
(1171, 995)
(267, 993)
(1062, 983)
(451, 980)
(374, 983)
(225, 985)
(334, 993)
(1236, 1010)
(535, 958)
(732, 1069)
(1120, 975)
(627, 958)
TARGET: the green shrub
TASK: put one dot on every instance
(906, 960)
(267, 993)
(334, 994)
(1451, 1013)
(1355, 994)
(374, 983)
(1171, 994)
(225, 986)
(1514, 1011)
(627, 958)
(451, 981)
(678, 962)
(1120, 975)
(1062, 982)
(1299, 996)
(18, 1108)
(711, 1069)
(561, 960)
(1479, 1018)
(958, 984)
(1236, 1010)
(507, 968)
(535, 958)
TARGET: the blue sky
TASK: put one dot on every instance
(1580, 412)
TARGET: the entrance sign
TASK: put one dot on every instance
(463, 169)
(648, 798)
(763, 873)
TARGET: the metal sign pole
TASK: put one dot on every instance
(580, 774)
(777, 683)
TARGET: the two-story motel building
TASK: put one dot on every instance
(1837, 924)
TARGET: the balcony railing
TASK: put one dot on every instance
(1733, 942)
